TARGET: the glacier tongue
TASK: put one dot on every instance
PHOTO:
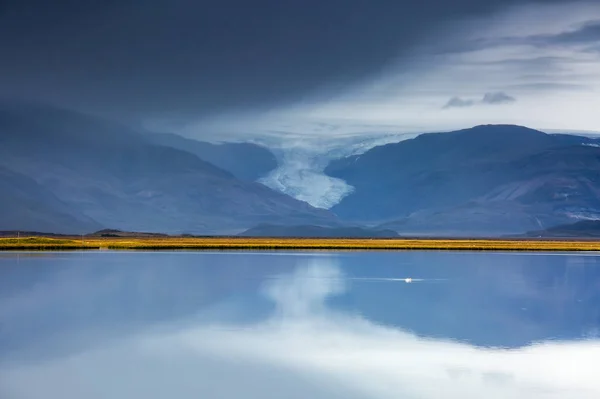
(301, 165)
(301, 176)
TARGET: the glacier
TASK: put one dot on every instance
(302, 162)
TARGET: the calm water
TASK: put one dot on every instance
(122, 325)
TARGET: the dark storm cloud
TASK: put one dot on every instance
(588, 33)
(593, 49)
(497, 98)
(183, 57)
(457, 102)
(550, 86)
(494, 98)
(546, 62)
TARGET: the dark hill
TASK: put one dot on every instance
(119, 233)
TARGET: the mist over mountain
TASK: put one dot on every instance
(111, 176)
(485, 180)
(246, 161)
(580, 229)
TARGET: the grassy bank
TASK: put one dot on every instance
(232, 243)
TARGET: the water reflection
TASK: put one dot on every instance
(126, 325)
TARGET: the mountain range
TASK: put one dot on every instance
(494, 179)
(65, 172)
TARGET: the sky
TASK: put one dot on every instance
(239, 70)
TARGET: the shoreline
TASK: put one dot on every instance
(46, 243)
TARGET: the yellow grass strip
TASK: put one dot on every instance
(232, 243)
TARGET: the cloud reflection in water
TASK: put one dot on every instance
(307, 349)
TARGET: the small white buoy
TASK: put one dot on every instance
(408, 280)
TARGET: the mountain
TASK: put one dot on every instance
(485, 180)
(269, 230)
(115, 177)
(581, 229)
(26, 205)
(246, 161)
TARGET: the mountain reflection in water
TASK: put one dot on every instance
(298, 325)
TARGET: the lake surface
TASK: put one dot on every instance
(126, 325)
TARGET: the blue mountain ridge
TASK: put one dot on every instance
(103, 174)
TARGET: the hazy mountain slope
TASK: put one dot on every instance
(25, 205)
(118, 178)
(245, 161)
(485, 179)
(581, 229)
(269, 230)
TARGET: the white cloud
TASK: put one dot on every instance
(306, 349)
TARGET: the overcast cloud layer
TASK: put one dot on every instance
(527, 64)
(181, 60)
